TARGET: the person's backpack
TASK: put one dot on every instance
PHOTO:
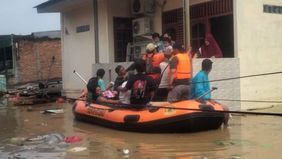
(138, 90)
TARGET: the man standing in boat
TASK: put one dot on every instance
(180, 74)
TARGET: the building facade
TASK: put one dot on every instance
(98, 32)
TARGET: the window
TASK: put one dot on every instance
(272, 9)
(83, 28)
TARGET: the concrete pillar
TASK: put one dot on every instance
(187, 41)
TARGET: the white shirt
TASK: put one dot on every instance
(124, 97)
(165, 80)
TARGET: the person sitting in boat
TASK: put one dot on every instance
(142, 86)
(95, 93)
(201, 85)
(124, 97)
(100, 74)
(121, 72)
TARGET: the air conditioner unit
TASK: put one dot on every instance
(138, 51)
(142, 26)
(142, 7)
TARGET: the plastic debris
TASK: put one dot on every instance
(53, 111)
(18, 140)
(78, 149)
(72, 139)
(125, 151)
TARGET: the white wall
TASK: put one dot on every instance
(78, 48)
(107, 10)
(259, 42)
(103, 28)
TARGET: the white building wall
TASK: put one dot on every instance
(103, 29)
(259, 45)
(78, 48)
(107, 10)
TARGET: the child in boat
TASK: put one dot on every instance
(95, 93)
(100, 74)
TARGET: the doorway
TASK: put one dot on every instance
(222, 29)
(122, 36)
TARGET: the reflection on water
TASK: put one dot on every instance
(246, 137)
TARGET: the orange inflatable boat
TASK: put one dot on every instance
(184, 116)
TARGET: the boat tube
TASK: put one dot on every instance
(183, 116)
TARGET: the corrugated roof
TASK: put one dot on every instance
(50, 34)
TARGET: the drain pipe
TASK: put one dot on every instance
(96, 30)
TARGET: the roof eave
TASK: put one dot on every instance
(51, 6)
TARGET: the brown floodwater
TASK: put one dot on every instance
(248, 137)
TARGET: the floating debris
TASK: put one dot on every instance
(125, 151)
(53, 111)
(78, 149)
(235, 157)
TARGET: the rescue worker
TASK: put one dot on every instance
(152, 57)
(180, 75)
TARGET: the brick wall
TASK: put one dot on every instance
(34, 60)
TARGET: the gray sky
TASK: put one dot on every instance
(20, 18)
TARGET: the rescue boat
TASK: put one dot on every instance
(184, 116)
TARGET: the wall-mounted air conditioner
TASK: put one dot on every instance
(142, 26)
(139, 7)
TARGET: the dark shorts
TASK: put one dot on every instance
(161, 94)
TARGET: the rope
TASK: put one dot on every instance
(241, 77)
(249, 101)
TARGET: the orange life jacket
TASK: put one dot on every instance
(157, 58)
(184, 67)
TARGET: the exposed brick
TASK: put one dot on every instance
(34, 60)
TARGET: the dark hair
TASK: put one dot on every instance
(179, 47)
(166, 39)
(117, 69)
(206, 65)
(140, 65)
(155, 35)
(100, 73)
(92, 85)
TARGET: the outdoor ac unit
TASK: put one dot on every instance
(142, 7)
(142, 26)
(138, 50)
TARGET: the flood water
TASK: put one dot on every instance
(248, 137)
